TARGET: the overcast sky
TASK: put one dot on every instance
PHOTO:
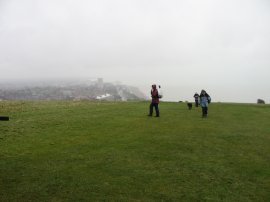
(222, 46)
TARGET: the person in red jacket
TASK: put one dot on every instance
(155, 101)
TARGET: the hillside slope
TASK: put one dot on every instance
(111, 151)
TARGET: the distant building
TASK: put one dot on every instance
(107, 96)
(100, 83)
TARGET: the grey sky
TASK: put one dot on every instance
(222, 46)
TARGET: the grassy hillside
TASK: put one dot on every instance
(87, 151)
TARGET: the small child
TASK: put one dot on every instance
(205, 99)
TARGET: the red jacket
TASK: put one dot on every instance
(154, 95)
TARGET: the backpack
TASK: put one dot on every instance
(208, 99)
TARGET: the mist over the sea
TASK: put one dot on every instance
(185, 46)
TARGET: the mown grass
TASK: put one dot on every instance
(111, 151)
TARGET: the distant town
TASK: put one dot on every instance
(83, 89)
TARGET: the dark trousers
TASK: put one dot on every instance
(152, 105)
(204, 111)
(196, 103)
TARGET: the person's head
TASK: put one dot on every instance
(154, 86)
(203, 92)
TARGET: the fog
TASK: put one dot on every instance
(222, 46)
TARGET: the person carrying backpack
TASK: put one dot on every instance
(155, 101)
(205, 99)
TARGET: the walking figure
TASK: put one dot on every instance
(196, 96)
(205, 99)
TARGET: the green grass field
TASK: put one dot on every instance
(111, 151)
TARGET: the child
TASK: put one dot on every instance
(205, 99)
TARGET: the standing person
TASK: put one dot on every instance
(196, 96)
(155, 101)
(205, 99)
